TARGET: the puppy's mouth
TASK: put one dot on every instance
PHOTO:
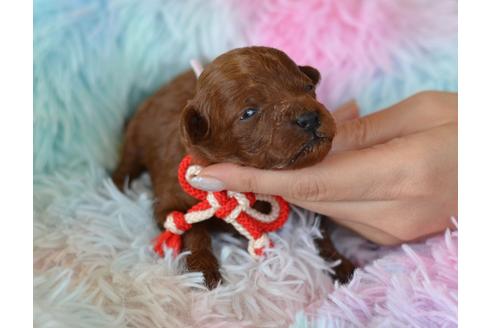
(309, 147)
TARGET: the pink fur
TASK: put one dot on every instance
(351, 41)
(93, 262)
(412, 286)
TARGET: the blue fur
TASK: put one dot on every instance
(94, 61)
(432, 71)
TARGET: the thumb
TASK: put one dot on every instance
(378, 127)
(233, 177)
(346, 112)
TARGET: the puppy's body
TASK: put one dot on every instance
(152, 143)
(251, 106)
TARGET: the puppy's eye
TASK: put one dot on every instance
(308, 87)
(248, 112)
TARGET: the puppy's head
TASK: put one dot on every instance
(254, 106)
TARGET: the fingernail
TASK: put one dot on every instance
(207, 183)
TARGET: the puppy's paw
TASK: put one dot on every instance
(344, 271)
(205, 262)
(118, 181)
(211, 278)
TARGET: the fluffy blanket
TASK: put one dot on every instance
(95, 60)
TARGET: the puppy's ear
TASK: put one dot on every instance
(311, 72)
(194, 125)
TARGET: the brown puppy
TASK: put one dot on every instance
(251, 106)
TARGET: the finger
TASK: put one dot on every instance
(355, 175)
(372, 129)
(373, 234)
(415, 114)
(385, 222)
(346, 112)
(397, 229)
(358, 217)
(233, 177)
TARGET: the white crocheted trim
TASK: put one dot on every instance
(243, 205)
(192, 172)
(266, 218)
(171, 226)
(260, 243)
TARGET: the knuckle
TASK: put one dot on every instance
(441, 107)
(422, 101)
(436, 105)
(426, 98)
(252, 184)
(309, 188)
(248, 183)
(361, 132)
(425, 95)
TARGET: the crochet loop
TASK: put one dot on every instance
(233, 207)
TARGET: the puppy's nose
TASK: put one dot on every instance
(308, 121)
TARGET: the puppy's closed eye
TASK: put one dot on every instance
(309, 87)
(248, 113)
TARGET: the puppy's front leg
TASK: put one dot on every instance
(343, 271)
(198, 241)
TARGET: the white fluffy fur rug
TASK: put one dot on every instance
(95, 266)
(95, 60)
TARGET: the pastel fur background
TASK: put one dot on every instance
(94, 61)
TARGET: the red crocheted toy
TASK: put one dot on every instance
(233, 207)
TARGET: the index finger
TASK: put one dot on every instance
(351, 175)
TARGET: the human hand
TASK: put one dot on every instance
(391, 176)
